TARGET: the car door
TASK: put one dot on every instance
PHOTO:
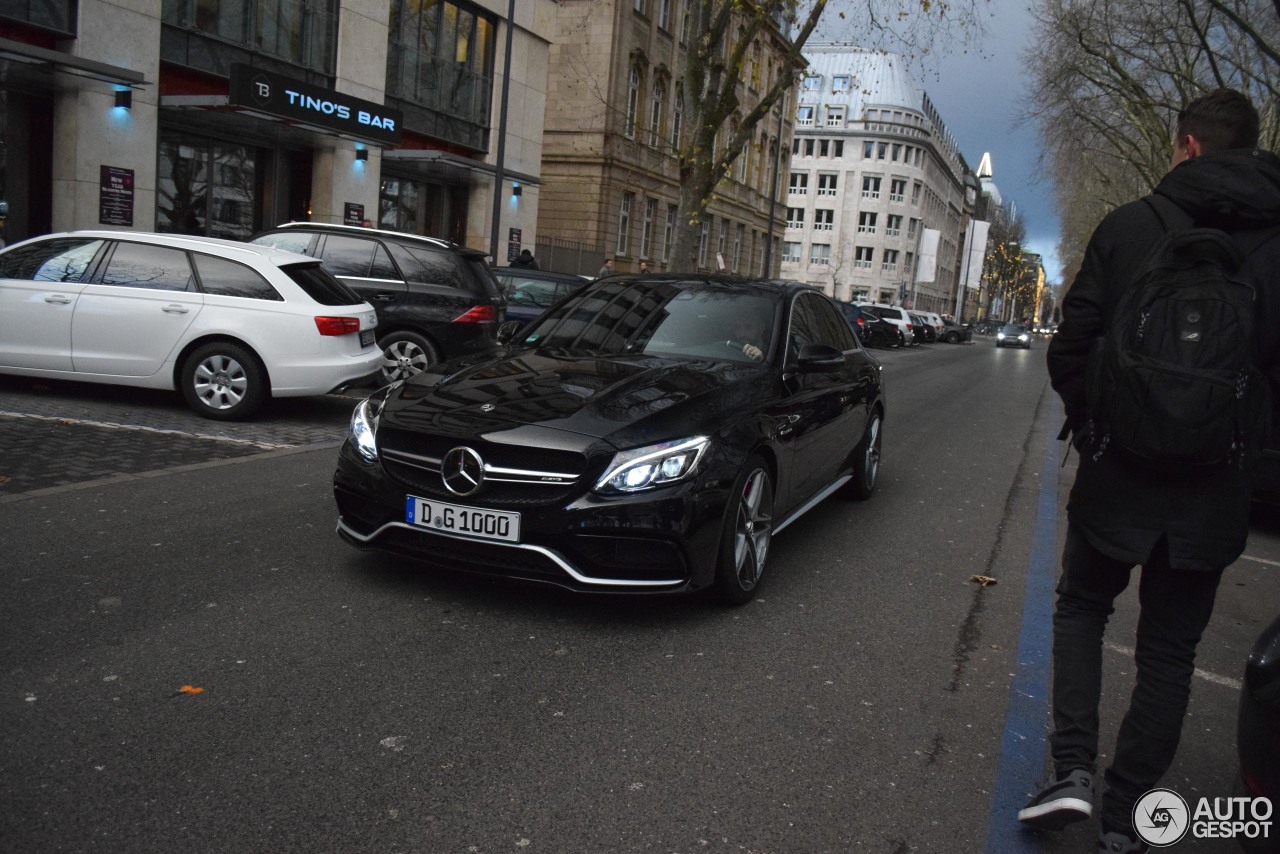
(131, 318)
(363, 264)
(40, 283)
(822, 404)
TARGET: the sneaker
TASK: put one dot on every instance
(1067, 800)
(1121, 843)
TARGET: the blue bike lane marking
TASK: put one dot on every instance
(1021, 767)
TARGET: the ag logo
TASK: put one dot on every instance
(1161, 817)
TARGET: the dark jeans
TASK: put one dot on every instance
(1176, 606)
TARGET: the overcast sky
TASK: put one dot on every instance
(979, 93)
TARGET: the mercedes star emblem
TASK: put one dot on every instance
(462, 471)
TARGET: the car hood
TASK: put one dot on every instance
(626, 401)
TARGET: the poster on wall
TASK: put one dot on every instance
(513, 244)
(115, 196)
(352, 214)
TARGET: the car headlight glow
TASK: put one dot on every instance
(999, 334)
(653, 465)
(1023, 337)
(363, 422)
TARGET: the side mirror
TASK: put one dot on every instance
(816, 358)
(507, 331)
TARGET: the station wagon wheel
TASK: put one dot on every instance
(866, 460)
(405, 354)
(223, 381)
(748, 531)
(953, 337)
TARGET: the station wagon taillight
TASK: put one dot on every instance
(337, 325)
(478, 314)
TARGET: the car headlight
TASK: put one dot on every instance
(999, 335)
(363, 422)
(1023, 337)
(654, 465)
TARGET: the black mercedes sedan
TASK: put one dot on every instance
(649, 434)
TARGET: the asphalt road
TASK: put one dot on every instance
(194, 661)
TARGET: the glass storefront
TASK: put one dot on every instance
(423, 207)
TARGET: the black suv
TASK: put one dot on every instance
(435, 300)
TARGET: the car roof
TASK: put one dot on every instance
(547, 275)
(359, 230)
(191, 242)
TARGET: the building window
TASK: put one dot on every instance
(838, 148)
(795, 217)
(827, 185)
(669, 234)
(664, 14)
(867, 222)
(791, 252)
(897, 189)
(624, 221)
(915, 193)
(840, 83)
(835, 117)
(868, 150)
(882, 151)
(912, 225)
(808, 148)
(870, 187)
(704, 235)
(804, 117)
(893, 227)
(862, 256)
(303, 34)
(820, 253)
(641, 6)
(737, 246)
(890, 263)
(656, 112)
(677, 116)
(906, 265)
(646, 227)
(799, 183)
(633, 102)
(897, 152)
(722, 244)
(812, 83)
(824, 220)
(824, 148)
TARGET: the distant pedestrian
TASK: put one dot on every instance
(525, 260)
(368, 223)
(606, 270)
(644, 268)
(1183, 525)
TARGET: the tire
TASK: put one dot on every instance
(405, 354)
(746, 534)
(953, 337)
(223, 381)
(866, 462)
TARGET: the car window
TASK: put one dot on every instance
(157, 268)
(57, 260)
(382, 267)
(535, 292)
(483, 276)
(833, 327)
(427, 266)
(804, 327)
(347, 256)
(320, 286)
(289, 241)
(231, 279)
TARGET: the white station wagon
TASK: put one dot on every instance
(227, 323)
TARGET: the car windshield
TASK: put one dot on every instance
(1013, 329)
(702, 320)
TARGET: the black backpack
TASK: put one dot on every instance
(1174, 384)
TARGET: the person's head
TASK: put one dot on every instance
(1222, 119)
(608, 262)
(368, 223)
(644, 266)
(525, 254)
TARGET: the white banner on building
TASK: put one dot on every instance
(927, 264)
(977, 252)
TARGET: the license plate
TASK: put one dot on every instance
(462, 521)
(366, 338)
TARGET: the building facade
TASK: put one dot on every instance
(873, 168)
(223, 117)
(614, 118)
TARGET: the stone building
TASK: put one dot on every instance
(610, 180)
(222, 117)
(873, 168)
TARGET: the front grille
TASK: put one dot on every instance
(494, 453)
(468, 556)
(427, 484)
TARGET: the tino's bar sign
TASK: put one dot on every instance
(301, 102)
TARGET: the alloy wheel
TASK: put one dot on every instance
(753, 529)
(403, 359)
(220, 382)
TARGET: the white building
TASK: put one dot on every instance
(872, 167)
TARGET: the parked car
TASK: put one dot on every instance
(629, 440)
(1014, 335)
(225, 323)
(954, 333)
(531, 292)
(435, 300)
(872, 330)
(933, 319)
(1258, 732)
(897, 316)
(924, 330)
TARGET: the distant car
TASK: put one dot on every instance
(531, 292)
(1014, 335)
(896, 315)
(435, 300)
(954, 333)
(923, 329)
(226, 323)
(1258, 732)
(872, 330)
(630, 440)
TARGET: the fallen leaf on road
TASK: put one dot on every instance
(984, 580)
(187, 689)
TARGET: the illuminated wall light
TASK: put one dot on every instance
(124, 99)
(362, 154)
(516, 190)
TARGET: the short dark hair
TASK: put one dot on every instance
(1223, 118)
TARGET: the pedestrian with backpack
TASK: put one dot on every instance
(1168, 348)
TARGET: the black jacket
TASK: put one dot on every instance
(1124, 510)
